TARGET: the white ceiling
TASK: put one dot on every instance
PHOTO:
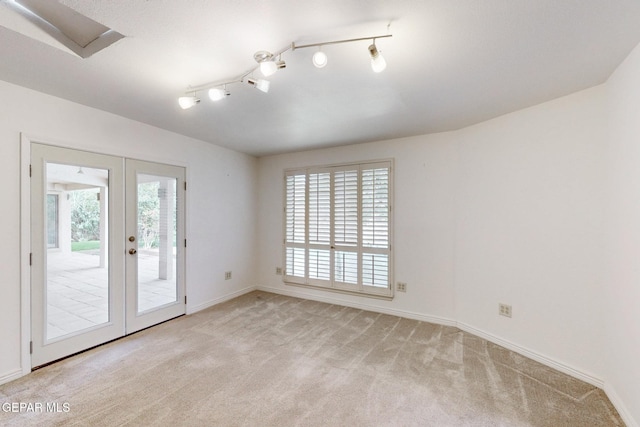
(451, 63)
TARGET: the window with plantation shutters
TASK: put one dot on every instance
(338, 227)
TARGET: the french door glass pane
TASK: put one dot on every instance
(77, 286)
(157, 210)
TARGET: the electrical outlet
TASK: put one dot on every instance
(279, 271)
(504, 310)
(227, 275)
(401, 287)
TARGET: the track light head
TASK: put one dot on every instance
(217, 93)
(378, 64)
(186, 102)
(259, 84)
(319, 59)
(267, 68)
(267, 65)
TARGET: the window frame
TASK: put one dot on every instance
(360, 249)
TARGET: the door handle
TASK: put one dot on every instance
(132, 251)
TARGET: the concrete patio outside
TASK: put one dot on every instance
(77, 290)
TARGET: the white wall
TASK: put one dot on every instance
(529, 228)
(506, 211)
(221, 198)
(424, 209)
(622, 237)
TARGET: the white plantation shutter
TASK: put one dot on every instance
(338, 227)
(346, 207)
(296, 185)
(346, 216)
(375, 227)
(320, 226)
(295, 234)
(375, 208)
(320, 208)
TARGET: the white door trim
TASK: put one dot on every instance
(25, 250)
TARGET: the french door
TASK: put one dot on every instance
(107, 244)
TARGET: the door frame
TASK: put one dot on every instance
(26, 139)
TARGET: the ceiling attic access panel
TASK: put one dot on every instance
(63, 25)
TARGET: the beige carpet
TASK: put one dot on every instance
(270, 360)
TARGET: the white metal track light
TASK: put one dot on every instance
(218, 93)
(378, 64)
(268, 65)
(319, 59)
(259, 84)
(186, 102)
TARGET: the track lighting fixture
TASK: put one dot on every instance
(319, 59)
(188, 101)
(378, 64)
(259, 84)
(268, 65)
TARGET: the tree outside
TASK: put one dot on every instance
(85, 217)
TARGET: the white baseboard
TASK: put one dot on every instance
(400, 313)
(566, 369)
(219, 300)
(10, 376)
(620, 406)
